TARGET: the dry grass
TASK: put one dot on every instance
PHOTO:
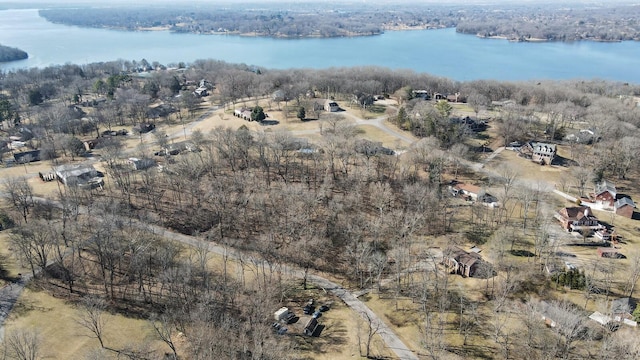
(9, 265)
(339, 337)
(373, 133)
(526, 169)
(63, 338)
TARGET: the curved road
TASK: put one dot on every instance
(10, 293)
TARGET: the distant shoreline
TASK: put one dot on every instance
(8, 54)
(178, 30)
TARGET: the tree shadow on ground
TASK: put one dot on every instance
(522, 253)
(473, 351)
(269, 122)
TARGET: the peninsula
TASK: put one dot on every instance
(11, 54)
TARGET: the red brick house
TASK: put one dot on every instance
(577, 218)
(605, 195)
(462, 262)
(625, 207)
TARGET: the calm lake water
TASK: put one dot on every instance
(439, 52)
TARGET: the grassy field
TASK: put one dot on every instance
(64, 338)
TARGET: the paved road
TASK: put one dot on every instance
(379, 123)
(9, 295)
(390, 338)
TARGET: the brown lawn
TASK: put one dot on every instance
(63, 338)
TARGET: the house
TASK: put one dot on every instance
(78, 175)
(439, 96)
(462, 262)
(331, 106)
(469, 124)
(201, 91)
(243, 113)
(371, 148)
(160, 111)
(577, 218)
(453, 97)
(280, 95)
(96, 143)
(503, 103)
(604, 195)
(623, 307)
(466, 191)
(142, 164)
(542, 153)
(624, 207)
(585, 136)
(421, 94)
(143, 128)
(27, 156)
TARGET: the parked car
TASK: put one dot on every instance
(308, 309)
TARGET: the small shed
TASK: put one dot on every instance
(311, 326)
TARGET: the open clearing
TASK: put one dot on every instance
(63, 338)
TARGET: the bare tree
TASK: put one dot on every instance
(20, 194)
(92, 317)
(634, 273)
(581, 176)
(372, 328)
(165, 329)
(35, 242)
(23, 344)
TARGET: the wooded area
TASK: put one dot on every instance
(336, 204)
(520, 22)
(11, 54)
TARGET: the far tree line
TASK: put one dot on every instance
(553, 22)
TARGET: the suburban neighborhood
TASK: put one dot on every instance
(409, 222)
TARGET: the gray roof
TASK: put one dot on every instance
(624, 201)
(79, 172)
(606, 186)
(622, 306)
(543, 147)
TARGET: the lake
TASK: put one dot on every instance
(439, 52)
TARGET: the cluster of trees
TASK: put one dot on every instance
(557, 23)
(11, 54)
(108, 262)
(339, 206)
(519, 22)
(573, 278)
